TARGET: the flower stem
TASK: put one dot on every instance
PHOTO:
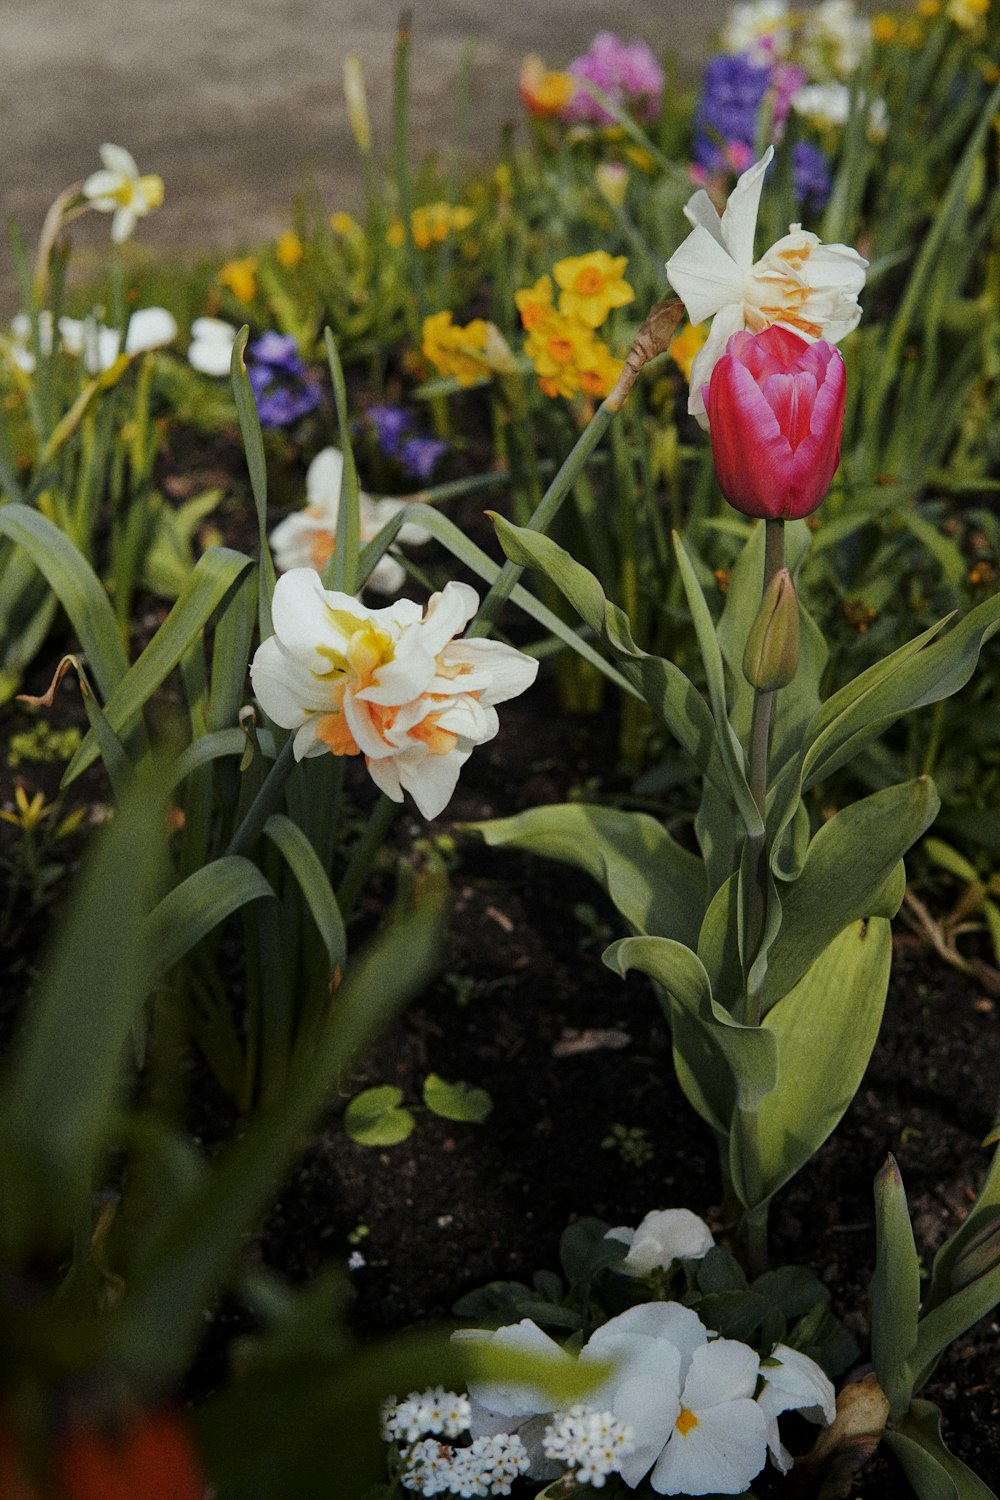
(266, 800)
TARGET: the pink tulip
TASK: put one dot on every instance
(775, 407)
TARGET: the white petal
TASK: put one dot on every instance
(704, 275)
(448, 613)
(680, 1326)
(283, 685)
(100, 188)
(511, 1397)
(724, 1370)
(387, 576)
(724, 325)
(797, 1384)
(739, 218)
(722, 1455)
(499, 672)
(292, 539)
(385, 774)
(301, 615)
(431, 783)
(123, 223)
(325, 477)
(664, 1236)
(150, 328)
(119, 161)
(700, 210)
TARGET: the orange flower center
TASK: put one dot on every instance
(686, 1422)
(561, 350)
(589, 281)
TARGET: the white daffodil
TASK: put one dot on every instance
(800, 284)
(664, 1236)
(794, 1383)
(834, 36)
(761, 28)
(696, 1427)
(391, 684)
(148, 328)
(119, 189)
(211, 348)
(829, 105)
(306, 538)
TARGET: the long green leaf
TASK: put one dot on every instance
(934, 1472)
(895, 1291)
(214, 574)
(194, 908)
(253, 443)
(306, 866)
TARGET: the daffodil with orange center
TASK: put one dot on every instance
(534, 302)
(591, 285)
(393, 685)
(544, 93)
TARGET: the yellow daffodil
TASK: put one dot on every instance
(884, 27)
(345, 225)
(119, 189)
(240, 277)
(288, 249)
(468, 353)
(559, 347)
(544, 93)
(599, 369)
(685, 346)
(591, 285)
(534, 302)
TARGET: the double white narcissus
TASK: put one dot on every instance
(391, 684)
(800, 284)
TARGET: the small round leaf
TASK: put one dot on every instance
(374, 1117)
(456, 1101)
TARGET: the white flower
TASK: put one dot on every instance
(799, 283)
(834, 37)
(592, 1442)
(391, 684)
(795, 1383)
(829, 105)
(761, 28)
(211, 348)
(306, 538)
(120, 190)
(664, 1236)
(689, 1401)
(149, 328)
(18, 349)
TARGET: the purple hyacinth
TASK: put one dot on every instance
(282, 386)
(731, 93)
(277, 350)
(811, 175)
(419, 455)
(390, 424)
(628, 73)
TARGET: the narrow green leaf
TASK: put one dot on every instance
(895, 1291)
(253, 443)
(934, 1472)
(195, 908)
(306, 866)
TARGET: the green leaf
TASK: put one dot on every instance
(657, 886)
(934, 1472)
(341, 572)
(79, 590)
(895, 1291)
(720, 1065)
(585, 1250)
(824, 1031)
(663, 685)
(734, 1315)
(847, 875)
(375, 1118)
(253, 443)
(912, 677)
(214, 574)
(951, 1318)
(456, 1101)
(307, 867)
(195, 908)
(975, 1245)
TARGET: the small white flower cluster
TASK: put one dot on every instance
(434, 1412)
(148, 328)
(591, 1442)
(488, 1467)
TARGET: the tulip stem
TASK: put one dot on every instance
(760, 735)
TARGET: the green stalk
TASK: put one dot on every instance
(266, 800)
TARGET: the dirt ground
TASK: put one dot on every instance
(238, 103)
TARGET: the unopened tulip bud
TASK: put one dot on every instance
(772, 650)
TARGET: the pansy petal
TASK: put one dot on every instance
(509, 1396)
(722, 1371)
(721, 1455)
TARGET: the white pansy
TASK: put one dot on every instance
(306, 538)
(761, 28)
(689, 1401)
(393, 684)
(800, 284)
(794, 1383)
(665, 1235)
(120, 190)
(210, 351)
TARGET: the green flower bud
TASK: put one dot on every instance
(772, 650)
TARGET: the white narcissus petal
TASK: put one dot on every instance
(724, 325)
(448, 613)
(704, 275)
(324, 478)
(431, 783)
(123, 223)
(739, 217)
(498, 672)
(284, 686)
(118, 161)
(700, 210)
(211, 349)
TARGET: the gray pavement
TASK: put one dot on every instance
(237, 103)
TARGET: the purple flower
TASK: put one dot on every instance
(628, 74)
(811, 172)
(731, 94)
(390, 423)
(419, 455)
(279, 351)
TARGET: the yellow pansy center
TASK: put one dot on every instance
(686, 1422)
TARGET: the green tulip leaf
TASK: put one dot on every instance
(657, 886)
(895, 1291)
(934, 1472)
(456, 1101)
(375, 1117)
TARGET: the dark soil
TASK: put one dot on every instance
(524, 1008)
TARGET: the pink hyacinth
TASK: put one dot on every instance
(628, 73)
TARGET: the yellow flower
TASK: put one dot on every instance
(966, 14)
(240, 276)
(599, 369)
(591, 285)
(884, 27)
(396, 233)
(288, 249)
(344, 224)
(544, 93)
(928, 7)
(534, 302)
(459, 352)
(432, 224)
(685, 345)
(639, 158)
(560, 349)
